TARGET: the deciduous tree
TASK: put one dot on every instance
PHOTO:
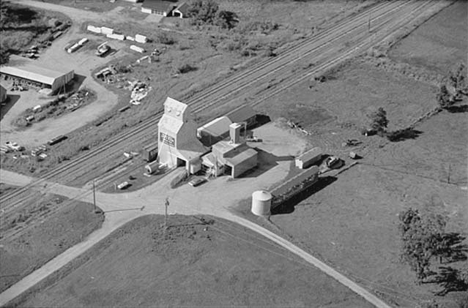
(379, 120)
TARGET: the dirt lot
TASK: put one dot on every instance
(438, 44)
(42, 242)
(218, 264)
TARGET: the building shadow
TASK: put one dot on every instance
(75, 84)
(8, 104)
(260, 120)
(289, 205)
(266, 161)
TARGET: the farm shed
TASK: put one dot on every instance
(157, 7)
(3, 94)
(214, 131)
(309, 158)
(244, 113)
(21, 68)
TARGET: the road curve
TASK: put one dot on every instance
(122, 208)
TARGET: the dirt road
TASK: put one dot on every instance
(83, 63)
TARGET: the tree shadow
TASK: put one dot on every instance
(10, 102)
(450, 280)
(453, 249)
(403, 134)
(457, 109)
(289, 205)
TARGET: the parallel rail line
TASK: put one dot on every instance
(215, 94)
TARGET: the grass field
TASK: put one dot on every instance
(46, 239)
(352, 222)
(197, 265)
(438, 44)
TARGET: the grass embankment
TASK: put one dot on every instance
(42, 241)
(195, 263)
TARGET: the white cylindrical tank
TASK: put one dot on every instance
(261, 203)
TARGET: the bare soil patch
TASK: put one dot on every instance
(437, 44)
(21, 255)
(194, 264)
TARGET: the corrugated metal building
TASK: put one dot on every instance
(23, 69)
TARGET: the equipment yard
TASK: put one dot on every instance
(277, 153)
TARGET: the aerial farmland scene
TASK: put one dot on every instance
(234, 153)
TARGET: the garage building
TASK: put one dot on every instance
(23, 69)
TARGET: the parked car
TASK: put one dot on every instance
(196, 181)
(14, 146)
(332, 161)
(102, 50)
(123, 185)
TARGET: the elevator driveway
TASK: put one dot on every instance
(216, 198)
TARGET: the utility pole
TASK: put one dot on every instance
(94, 195)
(166, 205)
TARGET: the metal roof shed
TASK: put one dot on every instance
(25, 70)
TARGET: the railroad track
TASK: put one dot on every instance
(382, 14)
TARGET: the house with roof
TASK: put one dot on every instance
(158, 7)
(181, 10)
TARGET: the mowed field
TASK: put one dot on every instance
(438, 44)
(193, 265)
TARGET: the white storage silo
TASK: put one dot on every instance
(261, 203)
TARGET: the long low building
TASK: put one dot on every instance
(23, 69)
